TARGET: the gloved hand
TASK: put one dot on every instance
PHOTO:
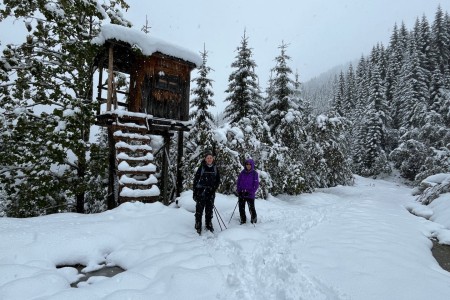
(243, 194)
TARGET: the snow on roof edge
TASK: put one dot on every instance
(146, 43)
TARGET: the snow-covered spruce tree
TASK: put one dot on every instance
(47, 102)
(353, 110)
(228, 156)
(440, 61)
(424, 104)
(251, 138)
(338, 103)
(243, 91)
(362, 78)
(201, 136)
(286, 122)
(278, 168)
(435, 163)
(244, 111)
(436, 137)
(422, 36)
(281, 90)
(331, 164)
(350, 94)
(303, 104)
(356, 144)
(440, 42)
(97, 175)
(205, 136)
(413, 94)
(396, 57)
(373, 159)
(423, 151)
(394, 62)
(409, 156)
(291, 135)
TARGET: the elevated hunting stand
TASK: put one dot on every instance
(147, 93)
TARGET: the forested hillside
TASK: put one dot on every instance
(390, 110)
(397, 100)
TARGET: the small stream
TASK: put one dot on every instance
(105, 271)
(442, 254)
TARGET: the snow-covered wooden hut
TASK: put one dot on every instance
(147, 88)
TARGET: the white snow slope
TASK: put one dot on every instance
(357, 242)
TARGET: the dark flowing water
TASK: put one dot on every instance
(442, 254)
(106, 271)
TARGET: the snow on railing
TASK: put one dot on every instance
(125, 167)
(130, 193)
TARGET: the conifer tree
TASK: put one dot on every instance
(201, 136)
(47, 103)
(349, 93)
(373, 160)
(243, 91)
(440, 61)
(440, 46)
(412, 93)
(339, 95)
(332, 167)
(249, 135)
(281, 90)
(288, 114)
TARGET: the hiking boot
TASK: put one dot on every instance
(198, 227)
(253, 220)
(209, 227)
(243, 222)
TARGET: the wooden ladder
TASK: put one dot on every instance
(134, 162)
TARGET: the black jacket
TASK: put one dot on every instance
(207, 180)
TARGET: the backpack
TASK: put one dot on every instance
(203, 170)
(197, 195)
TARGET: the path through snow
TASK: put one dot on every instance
(341, 243)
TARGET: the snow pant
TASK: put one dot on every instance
(206, 202)
(251, 208)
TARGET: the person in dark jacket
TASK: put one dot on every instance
(206, 182)
(247, 185)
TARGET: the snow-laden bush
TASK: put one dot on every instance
(433, 186)
(408, 158)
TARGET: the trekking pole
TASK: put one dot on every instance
(233, 211)
(218, 221)
(219, 218)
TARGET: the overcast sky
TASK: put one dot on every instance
(321, 33)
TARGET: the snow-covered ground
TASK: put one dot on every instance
(356, 242)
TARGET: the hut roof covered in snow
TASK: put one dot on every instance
(147, 44)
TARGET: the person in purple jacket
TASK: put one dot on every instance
(247, 185)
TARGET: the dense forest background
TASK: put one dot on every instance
(388, 110)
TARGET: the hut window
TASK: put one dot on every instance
(168, 82)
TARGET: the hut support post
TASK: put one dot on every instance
(165, 168)
(99, 88)
(110, 78)
(179, 184)
(112, 171)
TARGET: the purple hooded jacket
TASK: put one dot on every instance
(248, 181)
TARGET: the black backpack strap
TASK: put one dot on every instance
(203, 170)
